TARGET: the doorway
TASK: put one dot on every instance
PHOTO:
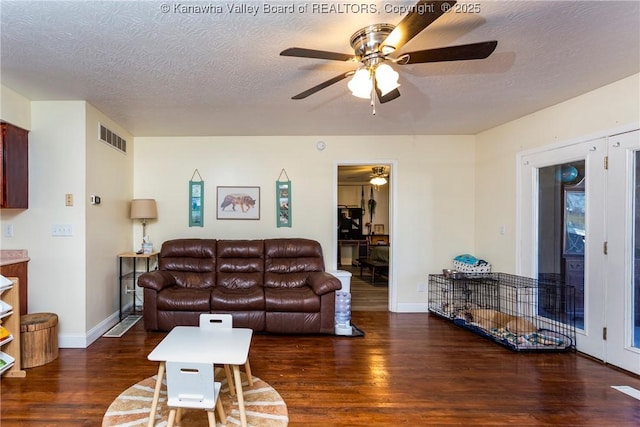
(364, 235)
(579, 218)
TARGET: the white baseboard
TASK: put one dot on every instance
(412, 307)
(84, 341)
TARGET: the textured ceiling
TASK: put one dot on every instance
(161, 73)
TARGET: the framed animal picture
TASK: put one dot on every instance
(238, 202)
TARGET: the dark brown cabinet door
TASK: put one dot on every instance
(14, 167)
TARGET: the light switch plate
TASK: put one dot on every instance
(61, 230)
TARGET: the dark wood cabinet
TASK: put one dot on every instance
(14, 167)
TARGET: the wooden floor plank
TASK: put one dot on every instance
(408, 370)
(367, 296)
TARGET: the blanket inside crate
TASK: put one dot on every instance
(513, 331)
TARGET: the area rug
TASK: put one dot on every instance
(121, 328)
(263, 406)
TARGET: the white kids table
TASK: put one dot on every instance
(223, 346)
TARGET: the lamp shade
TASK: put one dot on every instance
(143, 209)
(360, 85)
(378, 180)
(386, 78)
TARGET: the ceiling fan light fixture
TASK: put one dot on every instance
(360, 84)
(386, 78)
(378, 180)
(379, 177)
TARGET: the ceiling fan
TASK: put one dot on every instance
(378, 176)
(374, 45)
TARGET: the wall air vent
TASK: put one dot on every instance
(108, 136)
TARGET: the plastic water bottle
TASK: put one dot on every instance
(343, 309)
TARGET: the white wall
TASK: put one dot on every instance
(74, 277)
(109, 175)
(433, 188)
(56, 167)
(15, 108)
(606, 108)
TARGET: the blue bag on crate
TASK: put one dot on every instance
(469, 264)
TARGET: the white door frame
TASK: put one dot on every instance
(393, 288)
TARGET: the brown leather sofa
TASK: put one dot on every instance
(271, 285)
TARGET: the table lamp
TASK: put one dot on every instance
(144, 209)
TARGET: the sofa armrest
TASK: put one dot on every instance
(323, 283)
(156, 280)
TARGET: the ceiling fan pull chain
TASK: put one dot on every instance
(373, 98)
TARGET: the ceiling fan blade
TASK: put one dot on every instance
(322, 85)
(452, 53)
(390, 96)
(423, 14)
(318, 54)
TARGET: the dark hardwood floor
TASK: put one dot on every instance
(408, 370)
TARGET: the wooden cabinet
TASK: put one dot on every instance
(14, 167)
(10, 357)
(19, 270)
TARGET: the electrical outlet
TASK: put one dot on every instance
(8, 230)
(421, 287)
(61, 230)
(68, 199)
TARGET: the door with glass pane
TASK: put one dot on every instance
(623, 251)
(562, 236)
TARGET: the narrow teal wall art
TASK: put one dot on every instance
(196, 205)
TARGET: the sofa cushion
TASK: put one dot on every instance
(240, 263)
(291, 299)
(191, 262)
(289, 280)
(177, 298)
(288, 262)
(239, 280)
(245, 299)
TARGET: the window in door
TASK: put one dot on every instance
(561, 241)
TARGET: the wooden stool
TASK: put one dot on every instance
(38, 339)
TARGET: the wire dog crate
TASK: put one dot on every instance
(520, 313)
